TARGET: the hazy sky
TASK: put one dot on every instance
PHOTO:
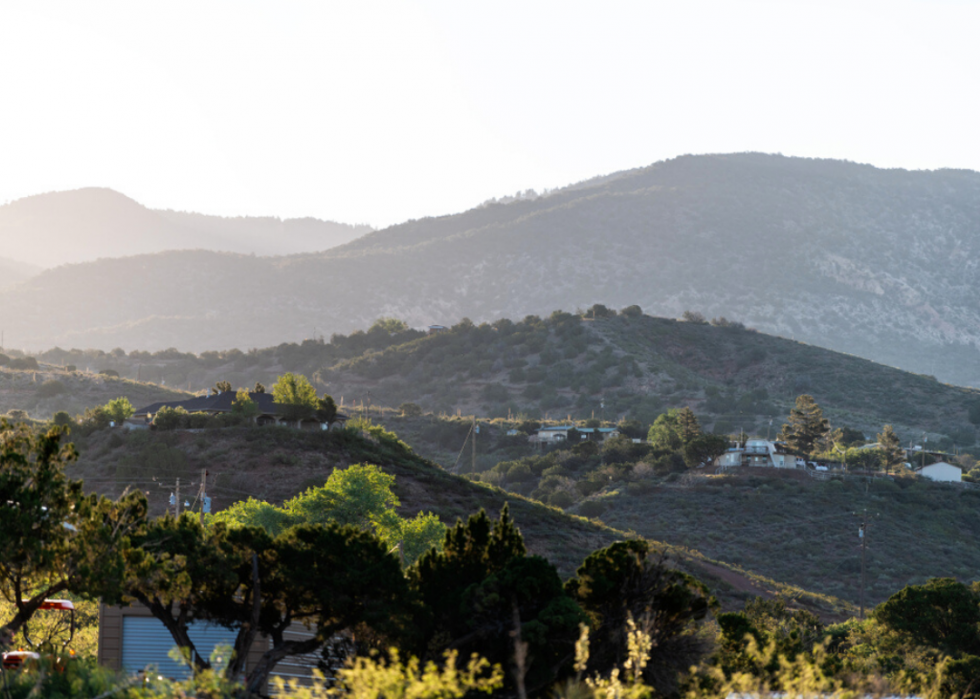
(377, 112)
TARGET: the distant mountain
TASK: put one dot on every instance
(14, 272)
(879, 263)
(82, 225)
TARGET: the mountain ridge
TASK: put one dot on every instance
(877, 263)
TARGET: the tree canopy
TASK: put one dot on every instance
(295, 396)
(805, 425)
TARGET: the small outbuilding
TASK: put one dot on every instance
(942, 472)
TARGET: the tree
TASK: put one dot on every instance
(695, 317)
(633, 311)
(482, 592)
(61, 418)
(295, 396)
(244, 406)
(391, 326)
(326, 411)
(54, 538)
(621, 582)
(704, 449)
(673, 429)
(259, 388)
(805, 425)
(410, 409)
(222, 386)
(168, 418)
(892, 454)
(943, 614)
(119, 410)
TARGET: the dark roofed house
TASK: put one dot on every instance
(221, 402)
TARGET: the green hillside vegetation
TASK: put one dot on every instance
(600, 364)
(275, 464)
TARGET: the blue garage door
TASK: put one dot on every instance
(146, 642)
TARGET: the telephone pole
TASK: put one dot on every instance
(862, 533)
(177, 500)
(203, 495)
(475, 430)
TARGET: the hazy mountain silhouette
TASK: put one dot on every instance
(14, 272)
(87, 224)
(879, 263)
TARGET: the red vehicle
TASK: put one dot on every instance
(16, 658)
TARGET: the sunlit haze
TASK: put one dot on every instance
(380, 112)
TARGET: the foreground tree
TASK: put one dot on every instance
(805, 425)
(622, 582)
(53, 538)
(674, 429)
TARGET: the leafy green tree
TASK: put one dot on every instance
(621, 582)
(119, 409)
(417, 535)
(805, 425)
(673, 429)
(222, 387)
(295, 396)
(892, 454)
(243, 405)
(259, 388)
(168, 418)
(61, 418)
(54, 538)
(633, 311)
(704, 449)
(943, 614)
(255, 513)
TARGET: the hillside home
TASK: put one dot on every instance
(560, 433)
(221, 402)
(942, 472)
(757, 452)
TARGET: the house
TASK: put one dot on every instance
(433, 329)
(560, 433)
(942, 472)
(221, 402)
(757, 452)
(131, 639)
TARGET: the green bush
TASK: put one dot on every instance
(592, 508)
(51, 388)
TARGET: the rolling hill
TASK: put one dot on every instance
(877, 263)
(620, 366)
(82, 225)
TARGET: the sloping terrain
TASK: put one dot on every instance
(49, 389)
(276, 463)
(627, 366)
(82, 225)
(13, 272)
(878, 263)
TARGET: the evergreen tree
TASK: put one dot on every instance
(805, 425)
(892, 454)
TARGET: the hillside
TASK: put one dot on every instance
(14, 272)
(624, 366)
(82, 225)
(45, 391)
(276, 463)
(877, 263)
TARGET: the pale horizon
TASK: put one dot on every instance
(381, 113)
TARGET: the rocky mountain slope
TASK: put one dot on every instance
(82, 225)
(879, 263)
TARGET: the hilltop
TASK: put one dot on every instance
(276, 463)
(48, 389)
(622, 365)
(877, 263)
(86, 224)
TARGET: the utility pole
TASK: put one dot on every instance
(177, 500)
(203, 495)
(862, 533)
(475, 430)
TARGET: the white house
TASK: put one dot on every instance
(758, 452)
(941, 471)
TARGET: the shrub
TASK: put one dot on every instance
(168, 418)
(111, 373)
(561, 499)
(633, 311)
(410, 409)
(50, 389)
(24, 363)
(61, 418)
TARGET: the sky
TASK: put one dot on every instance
(380, 112)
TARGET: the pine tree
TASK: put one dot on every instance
(805, 425)
(892, 454)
